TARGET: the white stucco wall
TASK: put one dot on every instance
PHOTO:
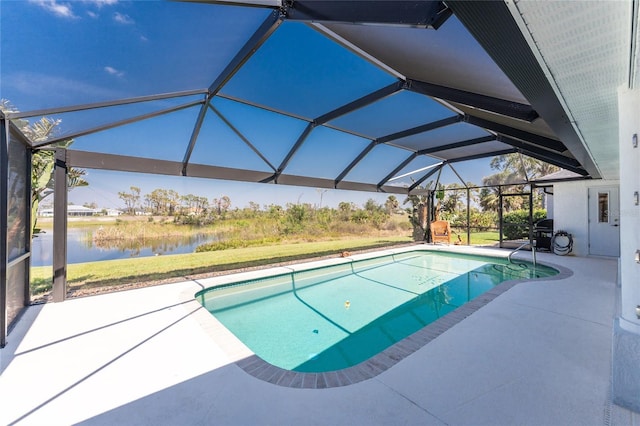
(549, 206)
(625, 365)
(629, 107)
(571, 210)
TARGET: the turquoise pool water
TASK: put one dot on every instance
(335, 317)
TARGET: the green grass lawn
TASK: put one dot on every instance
(477, 238)
(485, 238)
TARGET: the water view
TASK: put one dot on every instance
(82, 248)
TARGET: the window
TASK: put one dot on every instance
(603, 207)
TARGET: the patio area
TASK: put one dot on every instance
(539, 354)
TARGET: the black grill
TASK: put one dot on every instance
(543, 232)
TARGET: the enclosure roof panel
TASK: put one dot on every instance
(537, 127)
(97, 52)
(308, 98)
(487, 148)
(442, 136)
(400, 111)
(448, 56)
(298, 70)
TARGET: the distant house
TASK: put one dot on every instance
(112, 212)
(48, 212)
(72, 210)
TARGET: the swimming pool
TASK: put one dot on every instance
(331, 318)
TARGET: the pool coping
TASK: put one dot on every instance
(255, 366)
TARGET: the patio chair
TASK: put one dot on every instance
(440, 232)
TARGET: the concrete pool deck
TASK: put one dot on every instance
(539, 354)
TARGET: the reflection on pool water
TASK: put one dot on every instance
(331, 318)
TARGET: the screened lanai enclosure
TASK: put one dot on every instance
(391, 97)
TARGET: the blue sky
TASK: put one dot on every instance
(57, 53)
(66, 53)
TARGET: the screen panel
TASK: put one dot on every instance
(442, 136)
(15, 159)
(88, 120)
(469, 150)
(17, 279)
(401, 111)
(271, 133)
(18, 200)
(449, 56)
(311, 76)
(326, 153)
(164, 138)
(379, 162)
(85, 56)
(415, 170)
(219, 145)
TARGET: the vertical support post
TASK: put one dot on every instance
(500, 214)
(531, 216)
(430, 214)
(28, 236)
(468, 216)
(60, 226)
(4, 170)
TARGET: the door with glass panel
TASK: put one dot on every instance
(604, 221)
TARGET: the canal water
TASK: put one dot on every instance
(81, 247)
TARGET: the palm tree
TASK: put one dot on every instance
(418, 216)
(517, 166)
(42, 161)
(391, 205)
(489, 199)
(453, 201)
(419, 213)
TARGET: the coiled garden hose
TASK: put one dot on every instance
(561, 243)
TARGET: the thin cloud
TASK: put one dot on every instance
(92, 14)
(62, 10)
(69, 89)
(123, 19)
(113, 71)
(402, 184)
(101, 3)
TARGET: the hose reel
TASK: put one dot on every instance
(562, 243)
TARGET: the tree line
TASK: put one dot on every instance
(196, 209)
(168, 202)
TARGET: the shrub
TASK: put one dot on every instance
(515, 224)
(236, 243)
(360, 216)
(483, 220)
(396, 226)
